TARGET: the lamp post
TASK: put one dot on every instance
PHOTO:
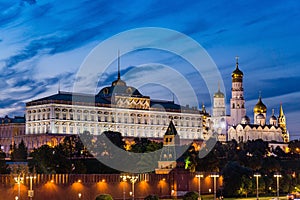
(199, 176)
(277, 176)
(79, 195)
(257, 175)
(30, 191)
(19, 180)
(124, 179)
(215, 176)
(132, 179)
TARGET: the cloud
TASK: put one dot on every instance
(30, 2)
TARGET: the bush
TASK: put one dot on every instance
(151, 197)
(190, 196)
(104, 197)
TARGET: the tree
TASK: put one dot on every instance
(3, 165)
(49, 160)
(104, 197)
(190, 196)
(233, 174)
(20, 153)
(246, 185)
(151, 197)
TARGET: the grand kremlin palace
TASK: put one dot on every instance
(124, 109)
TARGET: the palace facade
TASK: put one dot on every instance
(118, 107)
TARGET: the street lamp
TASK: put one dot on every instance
(132, 179)
(124, 179)
(30, 191)
(199, 176)
(79, 195)
(257, 175)
(215, 176)
(277, 176)
(19, 180)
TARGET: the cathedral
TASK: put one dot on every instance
(237, 126)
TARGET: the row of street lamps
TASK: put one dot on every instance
(215, 175)
(134, 178)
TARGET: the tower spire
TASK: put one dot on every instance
(119, 75)
(237, 61)
(58, 88)
(259, 94)
(281, 114)
(219, 86)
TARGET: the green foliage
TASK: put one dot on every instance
(104, 197)
(19, 153)
(3, 166)
(49, 160)
(144, 145)
(190, 196)
(151, 197)
(236, 179)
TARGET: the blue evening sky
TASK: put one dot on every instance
(44, 42)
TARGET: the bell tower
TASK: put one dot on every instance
(282, 124)
(237, 101)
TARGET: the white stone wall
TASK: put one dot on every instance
(62, 118)
(242, 134)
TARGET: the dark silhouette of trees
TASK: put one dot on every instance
(19, 153)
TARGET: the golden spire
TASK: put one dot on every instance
(281, 114)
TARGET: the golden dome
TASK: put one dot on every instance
(219, 94)
(237, 73)
(260, 107)
(118, 82)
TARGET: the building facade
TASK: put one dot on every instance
(118, 108)
(10, 129)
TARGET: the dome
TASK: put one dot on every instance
(237, 74)
(118, 82)
(260, 116)
(245, 120)
(260, 107)
(273, 118)
(219, 94)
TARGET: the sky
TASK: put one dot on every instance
(44, 44)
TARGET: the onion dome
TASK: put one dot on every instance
(245, 120)
(273, 119)
(219, 94)
(260, 116)
(237, 74)
(260, 107)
